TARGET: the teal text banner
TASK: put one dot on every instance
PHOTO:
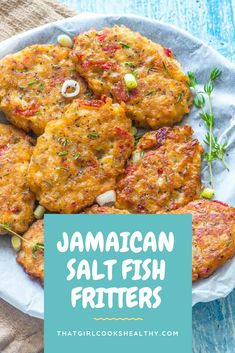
(118, 283)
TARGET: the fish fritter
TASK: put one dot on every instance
(104, 210)
(162, 96)
(16, 200)
(213, 235)
(30, 257)
(164, 173)
(80, 156)
(30, 84)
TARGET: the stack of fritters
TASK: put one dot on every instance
(86, 146)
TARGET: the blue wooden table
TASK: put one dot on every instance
(213, 21)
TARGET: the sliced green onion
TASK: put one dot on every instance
(65, 41)
(16, 243)
(41, 86)
(134, 130)
(39, 212)
(150, 93)
(208, 193)
(130, 81)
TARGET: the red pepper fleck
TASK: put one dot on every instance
(122, 133)
(92, 163)
(27, 112)
(134, 93)
(93, 103)
(15, 209)
(168, 52)
(120, 92)
(111, 48)
(3, 149)
(65, 164)
(103, 98)
(102, 36)
(221, 203)
(107, 66)
(130, 169)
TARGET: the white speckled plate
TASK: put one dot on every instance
(15, 286)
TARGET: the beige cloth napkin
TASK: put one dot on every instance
(20, 15)
(20, 333)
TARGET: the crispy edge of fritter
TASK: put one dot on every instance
(33, 265)
(218, 261)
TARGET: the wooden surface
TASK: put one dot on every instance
(213, 22)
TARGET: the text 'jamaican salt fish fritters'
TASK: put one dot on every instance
(16, 200)
(104, 210)
(213, 235)
(31, 256)
(30, 84)
(164, 172)
(79, 157)
(162, 95)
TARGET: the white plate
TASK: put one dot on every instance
(15, 286)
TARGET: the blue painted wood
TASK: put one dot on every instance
(213, 21)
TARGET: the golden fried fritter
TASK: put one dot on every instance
(164, 173)
(213, 235)
(30, 256)
(30, 84)
(162, 96)
(79, 157)
(104, 210)
(16, 200)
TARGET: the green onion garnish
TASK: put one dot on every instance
(208, 193)
(39, 212)
(130, 81)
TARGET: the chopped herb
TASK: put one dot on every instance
(124, 45)
(150, 93)
(63, 153)
(180, 96)
(135, 73)
(63, 141)
(93, 134)
(32, 82)
(38, 113)
(36, 247)
(77, 156)
(41, 87)
(130, 64)
(165, 67)
(62, 168)
(16, 139)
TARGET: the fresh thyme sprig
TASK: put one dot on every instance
(215, 149)
(35, 246)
